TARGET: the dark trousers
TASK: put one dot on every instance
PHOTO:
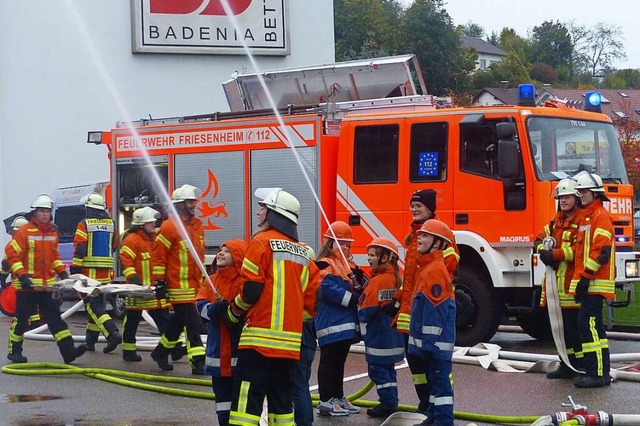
(99, 320)
(301, 374)
(28, 302)
(595, 346)
(223, 389)
(331, 369)
(572, 336)
(418, 366)
(132, 321)
(185, 316)
(257, 377)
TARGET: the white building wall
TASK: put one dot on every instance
(66, 67)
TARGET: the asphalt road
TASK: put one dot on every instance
(87, 400)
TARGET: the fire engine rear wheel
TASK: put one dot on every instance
(118, 307)
(536, 324)
(478, 310)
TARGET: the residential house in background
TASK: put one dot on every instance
(488, 54)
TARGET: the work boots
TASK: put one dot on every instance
(91, 337)
(591, 382)
(178, 352)
(17, 357)
(131, 356)
(75, 353)
(197, 366)
(562, 372)
(161, 357)
(113, 340)
(381, 411)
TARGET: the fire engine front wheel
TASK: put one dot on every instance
(478, 309)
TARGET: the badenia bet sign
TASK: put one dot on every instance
(201, 26)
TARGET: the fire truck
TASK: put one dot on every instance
(366, 135)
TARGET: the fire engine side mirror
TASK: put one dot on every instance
(507, 159)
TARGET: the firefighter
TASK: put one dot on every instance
(337, 320)
(222, 340)
(35, 261)
(422, 207)
(432, 330)
(277, 295)
(179, 276)
(5, 269)
(135, 256)
(564, 229)
(384, 345)
(93, 246)
(593, 279)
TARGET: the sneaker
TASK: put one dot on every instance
(590, 382)
(562, 372)
(331, 408)
(17, 358)
(381, 411)
(347, 405)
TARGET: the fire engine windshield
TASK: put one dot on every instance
(563, 147)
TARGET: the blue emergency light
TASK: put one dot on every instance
(593, 102)
(527, 95)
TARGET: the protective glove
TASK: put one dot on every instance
(161, 289)
(546, 256)
(581, 289)
(63, 275)
(26, 282)
(391, 308)
(75, 270)
(217, 309)
(134, 279)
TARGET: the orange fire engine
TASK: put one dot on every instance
(367, 139)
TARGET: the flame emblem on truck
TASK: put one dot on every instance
(210, 208)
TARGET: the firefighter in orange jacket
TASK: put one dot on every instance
(93, 245)
(178, 275)
(564, 229)
(593, 279)
(135, 257)
(222, 340)
(423, 207)
(279, 292)
(35, 261)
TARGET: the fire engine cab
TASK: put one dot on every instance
(367, 136)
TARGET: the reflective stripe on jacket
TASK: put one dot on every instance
(384, 345)
(173, 262)
(34, 251)
(135, 257)
(595, 237)
(273, 325)
(564, 230)
(433, 313)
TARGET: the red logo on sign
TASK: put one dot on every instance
(186, 7)
(211, 209)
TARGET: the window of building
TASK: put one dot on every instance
(428, 152)
(483, 64)
(376, 154)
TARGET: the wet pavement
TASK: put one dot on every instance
(84, 400)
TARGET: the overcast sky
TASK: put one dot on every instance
(493, 15)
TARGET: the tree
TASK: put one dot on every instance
(629, 135)
(551, 44)
(623, 79)
(603, 46)
(428, 31)
(471, 29)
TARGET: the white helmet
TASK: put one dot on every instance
(184, 193)
(144, 215)
(590, 181)
(18, 222)
(95, 201)
(42, 201)
(565, 187)
(279, 201)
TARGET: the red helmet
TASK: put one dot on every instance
(384, 243)
(341, 230)
(437, 229)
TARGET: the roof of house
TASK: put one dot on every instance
(616, 104)
(508, 96)
(481, 46)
